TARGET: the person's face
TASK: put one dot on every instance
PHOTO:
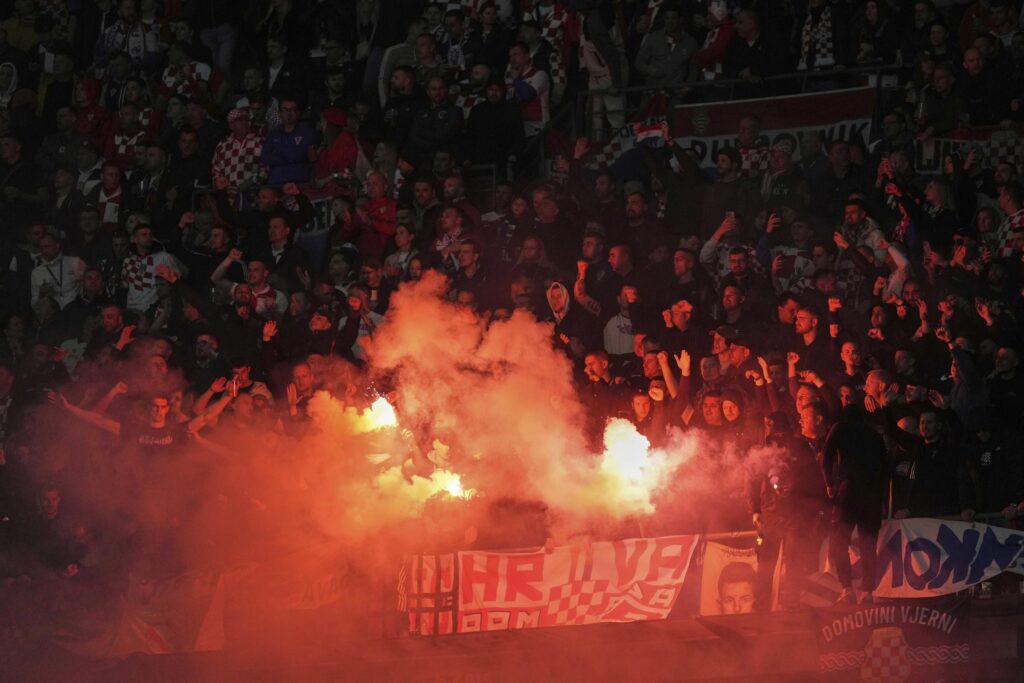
(636, 206)
(641, 406)
(403, 237)
(424, 48)
(937, 35)
(335, 82)
(682, 311)
(266, 199)
(877, 316)
(451, 221)
(110, 177)
(921, 13)
(530, 251)
(277, 231)
(289, 113)
(49, 247)
(929, 426)
(912, 292)
(518, 58)
(400, 81)
(839, 155)
(452, 188)
(92, 282)
(748, 131)
(495, 93)
(127, 11)
(489, 16)
(433, 15)
(591, 249)
(455, 27)
(557, 298)
(730, 410)
(49, 503)
(724, 165)
(436, 91)
(370, 275)
(252, 80)
(738, 264)
(805, 322)
(143, 238)
(618, 258)
(595, 367)
(710, 369)
(736, 598)
(809, 421)
(240, 126)
(787, 312)
(218, 241)
(711, 409)
(850, 354)
(651, 366)
(275, 50)
(302, 376)
(188, 144)
(423, 193)
(973, 62)
(853, 214)
(257, 274)
(904, 362)
(998, 15)
(158, 409)
(682, 263)
(732, 299)
(942, 80)
(672, 21)
(779, 160)
(415, 269)
(297, 304)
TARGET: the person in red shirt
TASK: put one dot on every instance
(337, 154)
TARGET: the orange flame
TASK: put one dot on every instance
(630, 470)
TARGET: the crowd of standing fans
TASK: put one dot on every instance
(205, 204)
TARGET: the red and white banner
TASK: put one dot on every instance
(838, 114)
(618, 581)
(994, 146)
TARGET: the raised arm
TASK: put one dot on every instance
(95, 419)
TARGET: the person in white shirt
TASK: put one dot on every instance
(57, 276)
(138, 272)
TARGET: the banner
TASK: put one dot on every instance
(838, 114)
(923, 557)
(897, 642)
(728, 581)
(617, 581)
(644, 125)
(995, 146)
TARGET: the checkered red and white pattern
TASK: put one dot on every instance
(150, 119)
(755, 161)
(238, 160)
(138, 273)
(121, 147)
(1010, 232)
(577, 602)
(885, 658)
(193, 79)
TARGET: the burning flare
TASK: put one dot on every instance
(631, 471)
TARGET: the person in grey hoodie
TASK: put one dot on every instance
(666, 56)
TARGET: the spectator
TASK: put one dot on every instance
(288, 150)
(666, 55)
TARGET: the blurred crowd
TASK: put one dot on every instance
(207, 207)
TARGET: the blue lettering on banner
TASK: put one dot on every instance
(920, 562)
(960, 553)
(992, 550)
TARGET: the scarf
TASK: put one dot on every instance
(816, 48)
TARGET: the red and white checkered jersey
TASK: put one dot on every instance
(238, 159)
(138, 275)
(1010, 231)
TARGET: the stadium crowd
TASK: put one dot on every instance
(205, 201)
